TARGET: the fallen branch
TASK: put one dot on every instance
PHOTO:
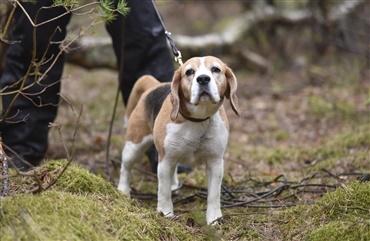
(277, 193)
(70, 154)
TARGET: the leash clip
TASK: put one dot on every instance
(175, 51)
(178, 58)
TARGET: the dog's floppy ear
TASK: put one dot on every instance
(175, 100)
(231, 90)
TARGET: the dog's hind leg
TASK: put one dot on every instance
(138, 140)
(132, 153)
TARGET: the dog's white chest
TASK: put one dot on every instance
(190, 141)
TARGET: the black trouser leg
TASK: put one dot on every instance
(145, 51)
(145, 46)
(25, 130)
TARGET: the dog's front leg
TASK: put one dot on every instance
(215, 169)
(166, 169)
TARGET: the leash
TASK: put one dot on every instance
(175, 51)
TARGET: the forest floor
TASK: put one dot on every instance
(298, 137)
(293, 158)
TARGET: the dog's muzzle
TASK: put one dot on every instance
(204, 92)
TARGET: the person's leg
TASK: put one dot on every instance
(145, 46)
(145, 51)
(25, 129)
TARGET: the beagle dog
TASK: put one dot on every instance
(187, 122)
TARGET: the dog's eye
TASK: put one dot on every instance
(189, 72)
(215, 70)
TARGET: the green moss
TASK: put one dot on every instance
(274, 155)
(351, 146)
(367, 102)
(341, 230)
(353, 199)
(79, 180)
(60, 216)
(332, 108)
(360, 136)
(240, 224)
(251, 235)
(319, 106)
(344, 211)
(82, 206)
(281, 135)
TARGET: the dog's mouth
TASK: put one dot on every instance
(204, 93)
(205, 96)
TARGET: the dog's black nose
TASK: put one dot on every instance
(203, 79)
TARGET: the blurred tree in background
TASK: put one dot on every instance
(263, 34)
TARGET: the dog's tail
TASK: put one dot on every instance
(143, 84)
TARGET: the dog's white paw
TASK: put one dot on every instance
(167, 210)
(213, 216)
(124, 188)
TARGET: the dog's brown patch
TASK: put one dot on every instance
(138, 125)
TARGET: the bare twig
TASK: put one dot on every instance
(69, 11)
(8, 21)
(70, 154)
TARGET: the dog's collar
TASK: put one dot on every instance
(193, 119)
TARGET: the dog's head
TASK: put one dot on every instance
(199, 87)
